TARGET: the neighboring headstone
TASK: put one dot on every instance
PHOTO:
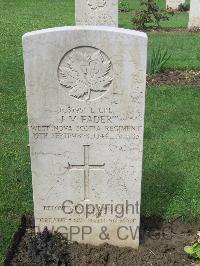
(85, 95)
(174, 3)
(194, 17)
(96, 12)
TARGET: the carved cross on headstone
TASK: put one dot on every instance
(96, 12)
(86, 166)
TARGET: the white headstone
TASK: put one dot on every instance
(194, 17)
(96, 12)
(85, 94)
(174, 3)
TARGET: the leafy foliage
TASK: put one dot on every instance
(194, 249)
(150, 16)
(124, 6)
(184, 7)
(84, 73)
(157, 60)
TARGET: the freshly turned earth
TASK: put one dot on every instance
(175, 77)
(161, 244)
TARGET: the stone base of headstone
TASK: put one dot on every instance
(174, 4)
(194, 15)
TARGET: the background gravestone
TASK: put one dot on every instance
(96, 12)
(85, 101)
(174, 3)
(194, 16)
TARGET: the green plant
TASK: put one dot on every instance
(150, 16)
(194, 249)
(157, 59)
(124, 6)
(184, 7)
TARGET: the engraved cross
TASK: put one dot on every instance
(86, 167)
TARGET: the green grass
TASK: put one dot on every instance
(170, 175)
(135, 4)
(184, 48)
(171, 151)
(179, 20)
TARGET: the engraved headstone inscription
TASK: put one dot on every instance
(96, 12)
(85, 99)
(194, 16)
(174, 4)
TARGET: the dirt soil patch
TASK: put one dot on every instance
(172, 30)
(168, 30)
(175, 77)
(162, 243)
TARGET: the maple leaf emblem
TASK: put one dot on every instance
(96, 4)
(85, 73)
